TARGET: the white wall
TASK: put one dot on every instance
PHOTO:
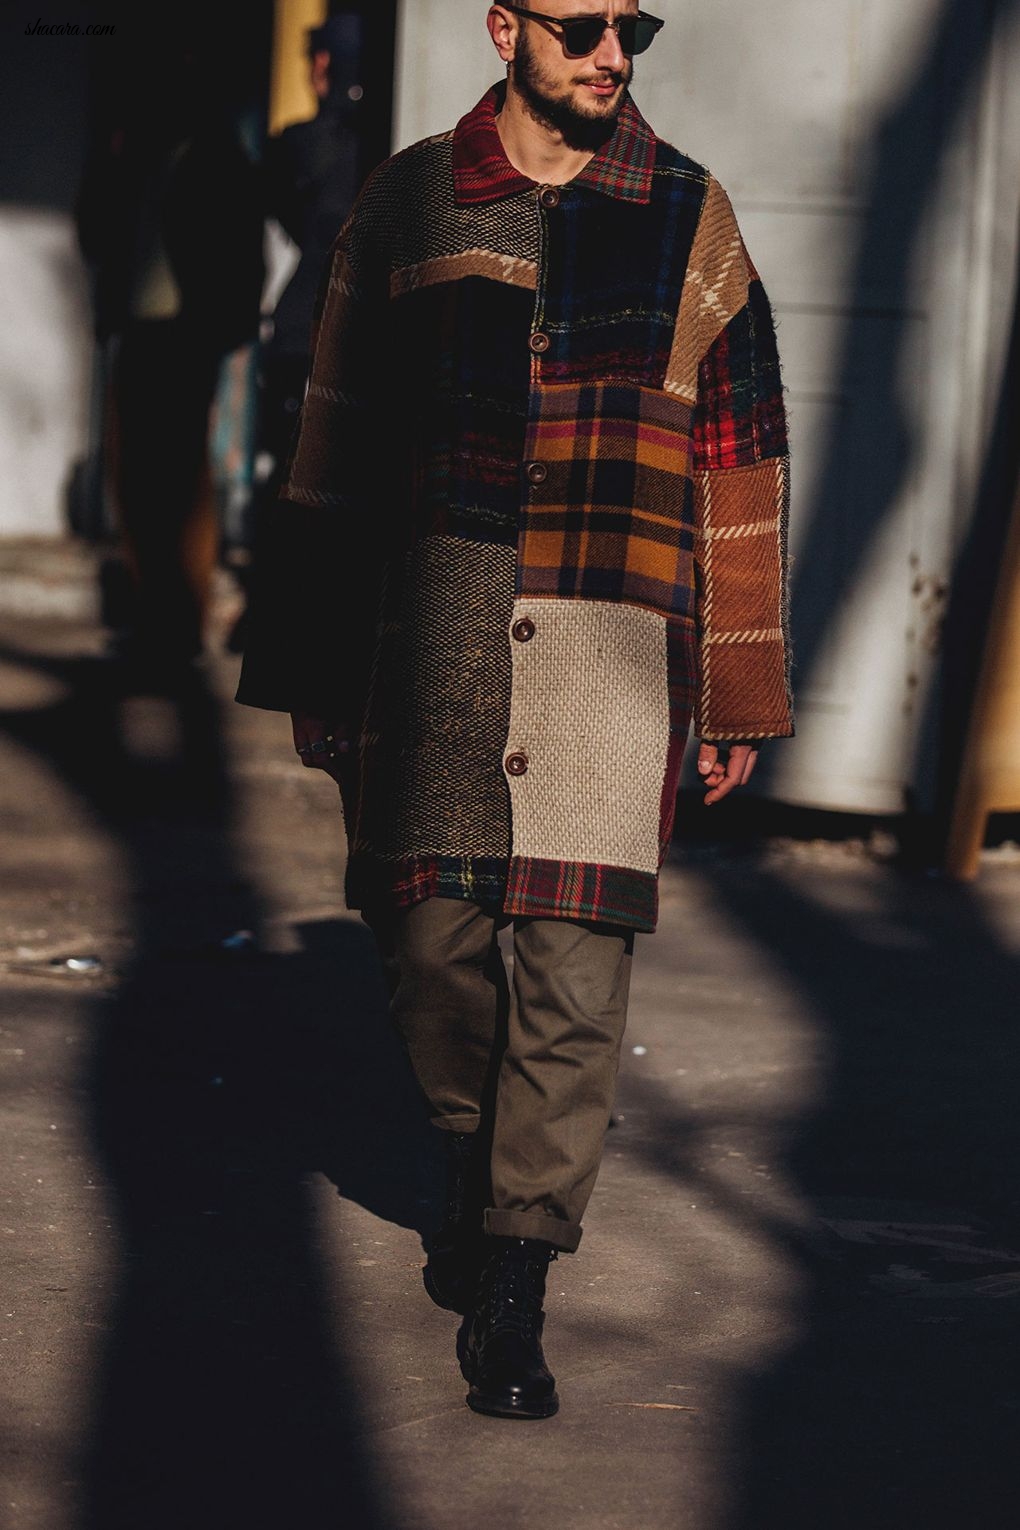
(45, 365)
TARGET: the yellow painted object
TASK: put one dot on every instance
(990, 777)
(291, 97)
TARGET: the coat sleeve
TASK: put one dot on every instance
(741, 488)
(315, 577)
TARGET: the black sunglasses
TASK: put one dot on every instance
(582, 34)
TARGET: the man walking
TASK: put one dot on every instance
(535, 519)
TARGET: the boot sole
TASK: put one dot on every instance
(507, 1407)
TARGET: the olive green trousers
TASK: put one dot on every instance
(530, 1063)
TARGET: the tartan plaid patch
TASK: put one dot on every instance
(481, 170)
(374, 883)
(573, 890)
(623, 167)
(459, 347)
(614, 275)
(740, 417)
(613, 518)
(682, 660)
(525, 888)
(482, 173)
(670, 788)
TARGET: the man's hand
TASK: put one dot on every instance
(321, 745)
(724, 766)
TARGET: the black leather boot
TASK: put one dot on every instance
(458, 1248)
(503, 1360)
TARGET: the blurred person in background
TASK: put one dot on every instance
(310, 176)
(170, 221)
(534, 521)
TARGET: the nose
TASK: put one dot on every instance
(609, 54)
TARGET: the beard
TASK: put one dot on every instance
(582, 124)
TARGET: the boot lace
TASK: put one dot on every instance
(515, 1299)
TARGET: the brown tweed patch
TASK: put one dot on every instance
(411, 204)
(742, 521)
(715, 289)
(509, 269)
(438, 717)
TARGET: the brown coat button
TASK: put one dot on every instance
(523, 629)
(516, 764)
(539, 342)
(549, 196)
(537, 472)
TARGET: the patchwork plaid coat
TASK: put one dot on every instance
(534, 518)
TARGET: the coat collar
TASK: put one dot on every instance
(482, 173)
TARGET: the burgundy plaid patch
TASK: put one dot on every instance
(682, 660)
(575, 890)
(482, 173)
(740, 417)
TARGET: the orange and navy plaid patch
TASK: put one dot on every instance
(608, 513)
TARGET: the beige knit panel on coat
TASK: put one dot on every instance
(590, 713)
(714, 290)
(740, 553)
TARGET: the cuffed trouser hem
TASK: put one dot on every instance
(467, 1124)
(564, 1236)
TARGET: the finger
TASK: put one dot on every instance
(731, 777)
(305, 727)
(741, 762)
(708, 756)
(749, 764)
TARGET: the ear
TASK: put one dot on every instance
(320, 73)
(502, 26)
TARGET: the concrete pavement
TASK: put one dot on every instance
(796, 1300)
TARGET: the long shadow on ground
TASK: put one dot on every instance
(900, 1404)
(219, 1080)
(897, 1403)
